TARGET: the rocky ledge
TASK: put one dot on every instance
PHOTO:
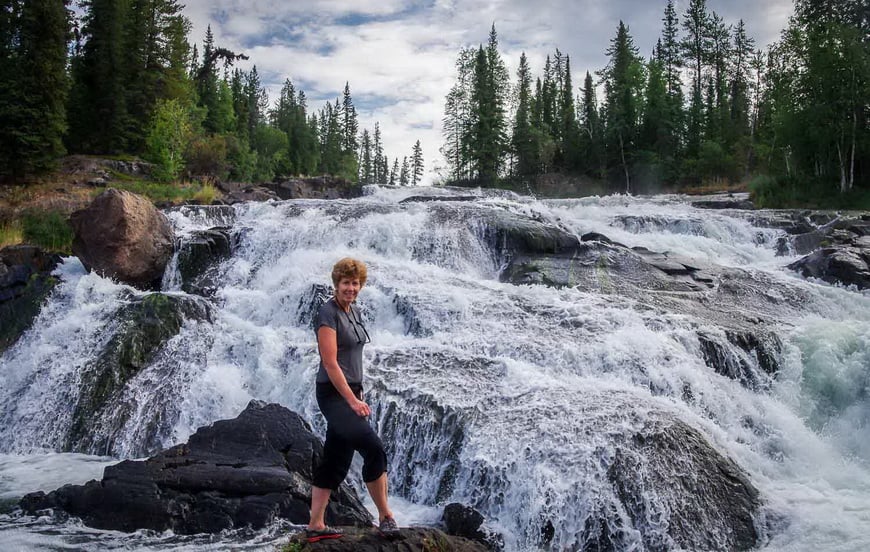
(25, 282)
(247, 471)
(411, 539)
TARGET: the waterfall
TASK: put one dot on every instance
(520, 400)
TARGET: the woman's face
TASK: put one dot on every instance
(348, 289)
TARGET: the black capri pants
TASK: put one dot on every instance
(346, 432)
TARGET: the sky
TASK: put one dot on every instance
(399, 56)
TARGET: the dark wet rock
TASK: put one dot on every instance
(509, 234)
(122, 236)
(595, 236)
(846, 265)
(706, 503)
(410, 539)
(141, 328)
(464, 521)
(247, 471)
(426, 198)
(198, 256)
(598, 265)
(318, 187)
(746, 356)
(638, 224)
(251, 193)
(724, 204)
(25, 283)
(309, 304)
(413, 325)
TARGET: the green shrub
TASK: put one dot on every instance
(801, 192)
(49, 230)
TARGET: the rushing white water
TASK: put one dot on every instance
(492, 394)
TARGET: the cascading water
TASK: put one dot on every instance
(543, 407)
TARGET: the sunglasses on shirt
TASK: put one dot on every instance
(354, 322)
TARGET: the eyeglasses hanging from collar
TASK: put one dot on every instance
(354, 322)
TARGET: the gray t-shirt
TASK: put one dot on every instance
(350, 350)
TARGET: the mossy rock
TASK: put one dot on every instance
(25, 283)
(144, 326)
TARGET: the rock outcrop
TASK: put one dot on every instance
(247, 471)
(199, 254)
(846, 263)
(25, 282)
(318, 187)
(124, 237)
(705, 500)
(141, 329)
(411, 539)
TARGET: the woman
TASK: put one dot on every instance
(340, 339)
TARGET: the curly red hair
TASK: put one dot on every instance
(349, 268)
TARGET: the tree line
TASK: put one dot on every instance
(123, 79)
(706, 105)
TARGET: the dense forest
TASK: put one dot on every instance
(707, 106)
(123, 80)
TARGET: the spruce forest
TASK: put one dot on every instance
(707, 107)
(123, 80)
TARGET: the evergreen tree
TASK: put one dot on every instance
(570, 130)
(34, 85)
(366, 169)
(459, 117)
(98, 114)
(417, 164)
(351, 126)
(696, 48)
(623, 82)
(591, 145)
(394, 173)
(378, 155)
(404, 179)
(522, 139)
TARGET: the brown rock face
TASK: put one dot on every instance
(124, 237)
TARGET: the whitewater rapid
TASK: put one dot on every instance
(531, 381)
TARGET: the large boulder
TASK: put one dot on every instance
(25, 282)
(124, 237)
(247, 471)
(671, 474)
(846, 264)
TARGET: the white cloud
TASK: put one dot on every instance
(398, 56)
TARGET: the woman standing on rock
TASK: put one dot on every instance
(340, 339)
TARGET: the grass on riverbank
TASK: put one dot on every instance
(159, 192)
(49, 230)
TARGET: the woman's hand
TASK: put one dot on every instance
(361, 408)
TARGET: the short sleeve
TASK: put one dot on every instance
(326, 316)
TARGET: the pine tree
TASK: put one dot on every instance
(522, 139)
(34, 85)
(377, 154)
(696, 49)
(417, 164)
(394, 173)
(98, 114)
(404, 177)
(459, 117)
(365, 165)
(623, 80)
(351, 126)
(592, 140)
